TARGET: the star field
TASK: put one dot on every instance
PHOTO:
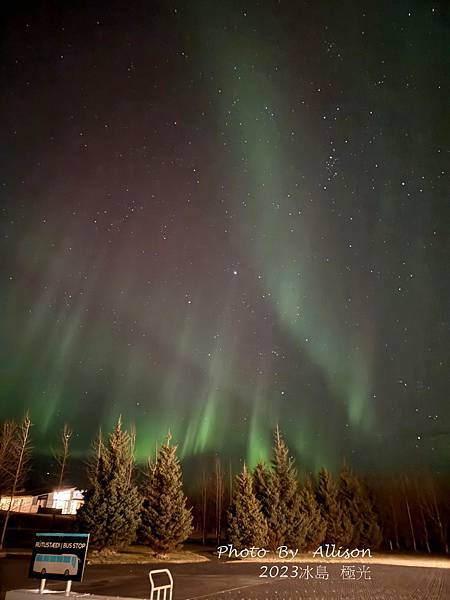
(217, 217)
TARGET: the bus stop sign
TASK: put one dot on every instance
(59, 556)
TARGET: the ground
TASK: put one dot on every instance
(241, 581)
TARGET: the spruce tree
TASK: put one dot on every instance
(112, 504)
(166, 522)
(247, 525)
(358, 505)
(264, 488)
(314, 526)
(338, 527)
(287, 518)
(277, 491)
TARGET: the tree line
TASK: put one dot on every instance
(268, 506)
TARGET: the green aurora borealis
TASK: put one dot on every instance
(217, 220)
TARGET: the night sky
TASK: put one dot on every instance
(220, 216)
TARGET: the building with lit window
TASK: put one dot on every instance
(65, 501)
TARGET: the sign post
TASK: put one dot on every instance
(59, 557)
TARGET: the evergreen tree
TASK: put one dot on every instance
(264, 488)
(314, 525)
(277, 491)
(112, 503)
(247, 525)
(338, 527)
(166, 522)
(357, 503)
(286, 522)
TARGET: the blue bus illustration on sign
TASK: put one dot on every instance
(56, 564)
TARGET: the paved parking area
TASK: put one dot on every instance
(242, 581)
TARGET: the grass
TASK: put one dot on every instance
(139, 555)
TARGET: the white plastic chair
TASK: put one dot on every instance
(160, 588)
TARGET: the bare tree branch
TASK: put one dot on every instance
(62, 453)
(20, 453)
